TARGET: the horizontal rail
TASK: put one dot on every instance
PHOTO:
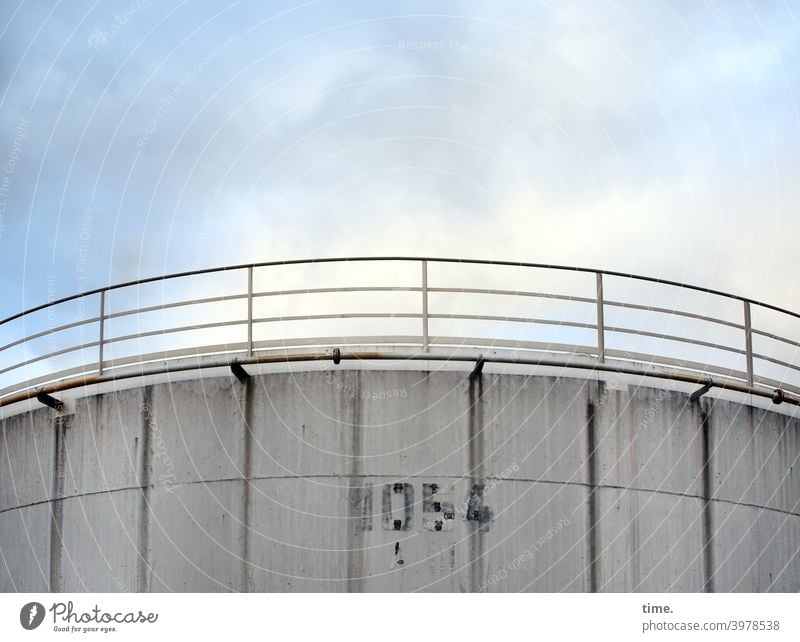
(523, 293)
(177, 304)
(778, 362)
(50, 355)
(184, 328)
(358, 259)
(526, 320)
(410, 340)
(44, 333)
(681, 313)
(366, 288)
(769, 335)
(379, 356)
(343, 315)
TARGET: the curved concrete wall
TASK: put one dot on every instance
(379, 480)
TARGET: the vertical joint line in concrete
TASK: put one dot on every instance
(60, 425)
(476, 436)
(356, 545)
(143, 568)
(476, 427)
(591, 460)
(708, 543)
(247, 508)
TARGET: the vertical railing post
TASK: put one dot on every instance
(748, 343)
(250, 311)
(601, 332)
(102, 330)
(425, 339)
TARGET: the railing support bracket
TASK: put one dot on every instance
(49, 400)
(478, 369)
(337, 356)
(702, 390)
(239, 372)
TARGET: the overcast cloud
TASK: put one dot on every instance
(145, 137)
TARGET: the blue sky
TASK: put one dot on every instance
(149, 137)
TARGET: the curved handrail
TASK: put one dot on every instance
(544, 266)
(745, 377)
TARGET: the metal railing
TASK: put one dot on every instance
(722, 349)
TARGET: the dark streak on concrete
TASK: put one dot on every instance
(593, 532)
(477, 511)
(708, 543)
(61, 425)
(146, 471)
(356, 544)
(386, 505)
(247, 584)
(362, 496)
(408, 512)
(475, 440)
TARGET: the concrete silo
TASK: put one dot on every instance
(353, 463)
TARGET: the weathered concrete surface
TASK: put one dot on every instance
(649, 542)
(26, 459)
(397, 480)
(25, 550)
(100, 532)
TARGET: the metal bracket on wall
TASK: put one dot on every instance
(702, 390)
(478, 369)
(49, 400)
(239, 372)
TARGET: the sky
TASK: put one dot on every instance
(142, 137)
